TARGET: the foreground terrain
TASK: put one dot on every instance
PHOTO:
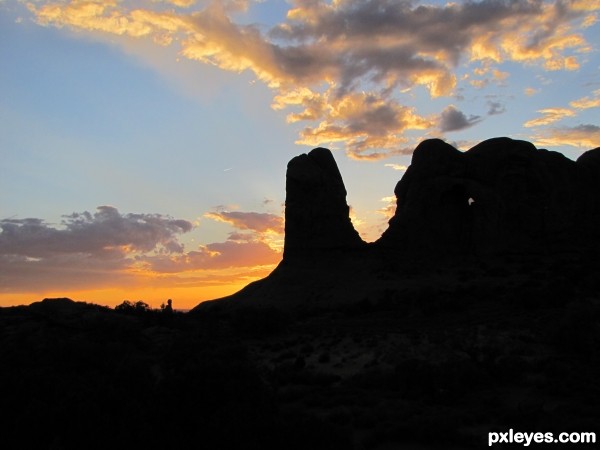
(423, 368)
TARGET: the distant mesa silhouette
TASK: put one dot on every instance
(501, 197)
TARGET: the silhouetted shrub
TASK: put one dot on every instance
(137, 308)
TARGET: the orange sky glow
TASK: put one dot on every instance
(185, 291)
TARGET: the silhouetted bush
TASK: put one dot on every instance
(137, 308)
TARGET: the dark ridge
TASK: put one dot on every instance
(502, 198)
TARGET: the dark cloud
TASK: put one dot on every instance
(495, 108)
(401, 40)
(63, 272)
(588, 128)
(103, 233)
(451, 119)
(241, 237)
(366, 124)
(448, 28)
(84, 250)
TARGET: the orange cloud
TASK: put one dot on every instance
(341, 66)
(389, 209)
(90, 15)
(535, 33)
(182, 3)
(550, 115)
(582, 136)
(587, 102)
(490, 73)
(221, 255)
(529, 92)
(261, 222)
(372, 229)
(364, 122)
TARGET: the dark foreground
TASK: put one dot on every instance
(420, 369)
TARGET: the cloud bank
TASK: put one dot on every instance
(105, 234)
(107, 248)
(346, 69)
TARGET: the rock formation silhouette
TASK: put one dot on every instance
(317, 217)
(502, 197)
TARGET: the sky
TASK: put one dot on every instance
(144, 143)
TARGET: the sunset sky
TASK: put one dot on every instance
(144, 143)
